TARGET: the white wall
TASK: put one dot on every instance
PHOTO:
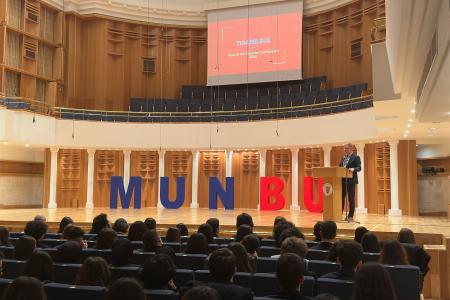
(21, 153)
(433, 151)
(21, 190)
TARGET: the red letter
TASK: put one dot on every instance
(308, 194)
(266, 193)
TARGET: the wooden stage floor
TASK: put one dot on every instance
(304, 219)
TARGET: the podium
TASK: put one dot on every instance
(332, 190)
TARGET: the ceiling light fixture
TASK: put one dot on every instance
(27, 145)
(409, 125)
(410, 120)
(413, 111)
(405, 135)
(5, 143)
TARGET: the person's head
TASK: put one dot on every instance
(173, 235)
(25, 288)
(406, 236)
(332, 253)
(73, 233)
(69, 252)
(121, 252)
(372, 282)
(325, 296)
(120, 226)
(328, 230)
(244, 219)
(183, 229)
(242, 231)
(251, 243)
(290, 271)
(150, 223)
(200, 293)
(349, 254)
(207, 230)
(4, 236)
(157, 272)
(278, 219)
(316, 231)
(40, 266)
(136, 231)
(370, 243)
(100, 221)
(24, 247)
(40, 218)
(151, 241)
(281, 226)
(294, 245)
(94, 271)
(105, 239)
(166, 250)
(359, 232)
(222, 265)
(36, 229)
(63, 223)
(214, 223)
(197, 244)
(240, 253)
(125, 288)
(348, 149)
(393, 253)
(290, 232)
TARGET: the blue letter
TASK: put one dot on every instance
(216, 190)
(164, 193)
(134, 186)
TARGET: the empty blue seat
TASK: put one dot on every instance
(321, 267)
(53, 242)
(161, 295)
(368, 257)
(4, 283)
(263, 102)
(285, 90)
(208, 92)
(308, 287)
(182, 276)
(217, 104)
(228, 104)
(264, 284)
(406, 281)
(13, 268)
(339, 288)
(190, 261)
(202, 276)
(314, 254)
(206, 105)
(183, 105)
(171, 105)
(52, 235)
(274, 101)
(58, 291)
(252, 103)
(268, 242)
(66, 273)
(186, 92)
(266, 251)
(8, 251)
(240, 104)
(175, 246)
(140, 257)
(309, 99)
(241, 93)
(197, 92)
(118, 272)
(243, 279)
(195, 105)
(106, 254)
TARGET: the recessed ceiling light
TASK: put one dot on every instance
(413, 110)
(406, 131)
(410, 120)
(5, 143)
(27, 145)
(448, 113)
(405, 135)
(433, 128)
(409, 125)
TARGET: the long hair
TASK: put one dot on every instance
(393, 253)
(372, 282)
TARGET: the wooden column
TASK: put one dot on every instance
(407, 177)
(436, 282)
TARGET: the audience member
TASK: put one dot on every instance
(40, 266)
(40, 218)
(279, 228)
(372, 282)
(125, 288)
(370, 243)
(215, 225)
(242, 231)
(150, 223)
(76, 234)
(277, 220)
(173, 235)
(327, 234)
(244, 219)
(244, 263)
(293, 245)
(359, 232)
(121, 252)
(251, 243)
(166, 250)
(24, 288)
(151, 241)
(37, 229)
(197, 244)
(158, 273)
(349, 256)
(289, 232)
(316, 231)
(207, 230)
(332, 253)
(4, 237)
(406, 236)
(100, 222)
(24, 247)
(63, 223)
(183, 229)
(68, 252)
(393, 253)
(94, 272)
(105, 239)
(120, 226)
(201, 293)
(137, 230)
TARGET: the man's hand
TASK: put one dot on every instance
(352, 169)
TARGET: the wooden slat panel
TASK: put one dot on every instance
(245, 171)
(179, 163)
(211, 164)
(279, 164)
(107, 163)
(21, 168)
(71, 178)
(145, 165)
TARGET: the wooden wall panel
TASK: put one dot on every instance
(107, 163)
(308, 158)
(71, 182)
(145, 165)
(21, 167)
(46, 191)
(176, 164)
(245, 171)
(211, 164)
(279, 164)
(407, 177)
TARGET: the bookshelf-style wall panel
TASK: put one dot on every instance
(107, 163)
(407, 177)
(377, 178)
(245, 171)
(279, 164)
(211, 164)
(308, 158)
(71, 178)
(176, 164)
(145, 165)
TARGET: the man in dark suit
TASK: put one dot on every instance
(349, 255)
(222, 267)
(352, 162)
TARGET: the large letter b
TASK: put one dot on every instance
(266, 193)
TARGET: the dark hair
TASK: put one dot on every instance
(137, 230)
(393, 253)
(294, 245)
(325, 296)
(94, 271)
(105, 239)
(125, 288)
(151, 241)
(183, 229)
(4, 236)
(349, 253)
(222, 265)
(372, 282)
(370, 243)
(40, 266)
(157, 272)
(150, 223)
(208, 231)
(24, 247)
(72, 232)
(241, 256)
(316, 231)
(36, 229)
(251, 243)
(332, 253)
(100, 221)
(278, 219)
(328, 230)
(290, 232)
(63, 223)
(120, 225)
(359, 232)
(214, 223)
(24, 288)
(121, 252)
(201, 292)
(244, 219)
(281, 226)
(406, 236)
(173, 235)
(242, 231)
(197, 244)
(290, 271)
(166, 250)
(68, 252)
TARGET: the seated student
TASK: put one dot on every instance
(94, 272)
(279, 228)
(100, 221)
(359, 232)
(290, 232)
(244, 219)
(293, 245)
(136, 231)
(327, 234)
(242, 231)
(197, 244)
(406, 236)
(37, 229)
(417, 256)
(40, 218)
(150, 223)
(214, 223)
(158, 273)
(276, 221)
(349, 256)
(120, 226)
(173, 235)
(4, 237)
(151, 241)
(208, 231)
(183, 229)
(24, 287)
(75, 233)
(372, 282)
(166, 250)
(370, 243)
(244, 262)
(125, 288)
(332, 253)
(201, 293)
(121, 253)
(316, 231)
(105, 239)
(40, 266)
(222, 267)
(290, 272)
(251, 243)
(393, 253)
(69, 253)
(24, 247)
(63, 223)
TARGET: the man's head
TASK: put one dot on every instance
(290, 270)
(328, 230)
(222, 265)
(349, 254)
(40, 218)
(294, 245)
(36, 229)
(74, 233)
(348, 149)
(157, 272)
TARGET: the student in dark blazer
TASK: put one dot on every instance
(352, 162)
(349, 256)
(328, 232)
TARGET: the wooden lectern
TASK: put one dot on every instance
(332, 190)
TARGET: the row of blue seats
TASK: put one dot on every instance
(15, 104)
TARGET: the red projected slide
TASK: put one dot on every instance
(261, 44)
